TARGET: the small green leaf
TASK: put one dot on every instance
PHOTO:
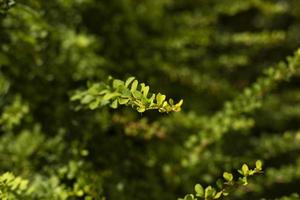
(177, 106)
(128, 81)
(104, 102)
(117, 83)
(109, 96)
(87, 99)
(160, 98)
(171, 102)
(77, 96)
(258, 165)
(225, 194)
(145, 91)
(199, 190)
(125, 93)
(114, 104)
(251, 172)
(209, 192)
(141, 109)
(244, 180)
(93, 105)
(245, 169)
(227, 176)
(165, 105)
(134, 85)
(137, 94)
(95, 88)
(79, 193)
(218, 195)
(151, 100)
(103, 92)
(189, 197)
(123, 101)
(180, 103)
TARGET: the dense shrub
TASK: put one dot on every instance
(235, 64)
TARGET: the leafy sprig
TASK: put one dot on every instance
(128, 93)
(226, 185)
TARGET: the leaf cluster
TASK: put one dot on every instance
(12, 187)
(128, 93)
(225, 186)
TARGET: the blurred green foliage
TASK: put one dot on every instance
(235, 63)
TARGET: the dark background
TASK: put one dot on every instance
(206, 52)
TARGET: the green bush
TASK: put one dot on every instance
(68, 130)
